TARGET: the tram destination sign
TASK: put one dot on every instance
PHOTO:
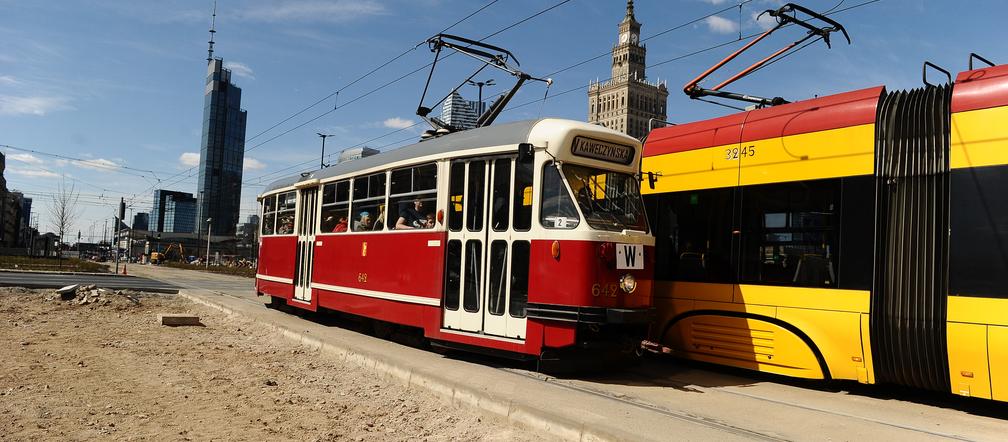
(603, 150)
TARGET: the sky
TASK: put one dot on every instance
(108, 94)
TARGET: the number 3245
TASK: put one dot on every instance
(736, 152)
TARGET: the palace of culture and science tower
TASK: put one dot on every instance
(627, 101)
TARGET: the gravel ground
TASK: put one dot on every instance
(99, 366)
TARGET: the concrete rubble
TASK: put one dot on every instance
(92, 294)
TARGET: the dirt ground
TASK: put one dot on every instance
(103, 368)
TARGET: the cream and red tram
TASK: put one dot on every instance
(527, 237)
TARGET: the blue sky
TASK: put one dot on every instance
(118, 84)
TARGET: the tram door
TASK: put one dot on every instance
(307, 203)
(478, 283)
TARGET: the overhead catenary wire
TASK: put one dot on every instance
(365, 75)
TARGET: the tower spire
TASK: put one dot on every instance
(213, 24)
(629, 9)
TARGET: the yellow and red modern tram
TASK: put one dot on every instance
(859, 236)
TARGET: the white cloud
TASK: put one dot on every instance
(11, 105)
(190, 159)
(397, 123)
(253, 164)
(240, 69)
(714, 2)
(765, 21)
(97, 164)
(7, 79)
(339, 11)
(33, 173)
(24, 158)
(721, 25)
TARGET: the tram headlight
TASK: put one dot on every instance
(628, 283)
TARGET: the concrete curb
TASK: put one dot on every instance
(46, 272)
(457, 392)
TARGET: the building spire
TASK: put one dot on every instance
(629, 10)
(213, 23)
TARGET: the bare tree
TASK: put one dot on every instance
(63, 211)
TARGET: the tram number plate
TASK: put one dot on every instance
(629, 256)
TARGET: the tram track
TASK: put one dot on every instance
(645, 379)
(627, 400)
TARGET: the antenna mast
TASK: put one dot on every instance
(213, 25)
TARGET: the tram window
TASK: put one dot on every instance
(498, 285)
(453, 274)
(857, 231)
(557, 210)
(477, 185)
(269, 215)
(501, 192)
(693, 235)
(790, 232)
(413, 197)
(456, 188)
(522, 200)
(368, 203)
(519, 278)
(285, 213)
(335, 207)
(978, 249)
(473, 263)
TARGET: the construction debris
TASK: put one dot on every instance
(91, 294)
(178, 319)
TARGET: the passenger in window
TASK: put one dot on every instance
(341, 226)
(363, 223)
(412, 217)
(430, 221)
(285, 225)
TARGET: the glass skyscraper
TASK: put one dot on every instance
(163, 199)
(180, 214)
(221, 154)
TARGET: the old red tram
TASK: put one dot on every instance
(528, 238)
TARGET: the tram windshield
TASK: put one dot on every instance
(609, 200)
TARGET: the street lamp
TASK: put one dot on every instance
(322, 164)
(208, 232)
(479, 85)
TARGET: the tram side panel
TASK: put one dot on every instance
(740, 287)
(276, 263)
(394, 277)
(978, 301)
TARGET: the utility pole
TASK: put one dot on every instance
(209, 227)
(479, 85)
(322, 164)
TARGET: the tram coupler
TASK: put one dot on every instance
(654, 347)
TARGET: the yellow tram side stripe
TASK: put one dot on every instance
(847, 151)
(979, 138)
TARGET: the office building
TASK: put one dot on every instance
(156, 221)
(141, 221)
(627, 101)
(222, 151)
(459, 112)
(180, 214)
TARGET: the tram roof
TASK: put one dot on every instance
(495, 135)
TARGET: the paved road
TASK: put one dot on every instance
(109, 281)
(682, 400)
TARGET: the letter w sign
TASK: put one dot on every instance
(629, 256)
